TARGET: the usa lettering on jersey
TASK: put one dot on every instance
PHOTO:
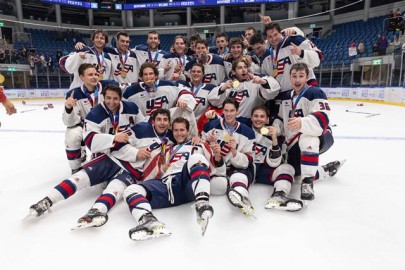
(154, 104)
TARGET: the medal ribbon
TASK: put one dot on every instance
(88, 95)
(294, 104)
(154, 60)
(115, 119)
(123, 59)
(195, 92)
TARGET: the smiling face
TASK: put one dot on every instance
(259, 48)
(153, 41)
(230, 113)
(89, 78)
(179, 46)
(123, 44)
(161, 123)
(197, 74)
(298, 79)
(112, 100)
(180, 132)
(273, 37)
(259, 118)
(99, 41)
(236, 50)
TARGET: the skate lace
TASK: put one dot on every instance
(168, 183)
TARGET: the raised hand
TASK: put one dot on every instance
(295, 49)
(71, 101)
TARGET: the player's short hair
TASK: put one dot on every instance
(260, 108)
(199, 65)
(148, 65)
(201, 41)
(256, 38)
(114, 88)
(222, 34)
(231, 101)
(235, 41)
(251, 28)
(181, 120)
(160, 111)
(237, 61)
(102, 32)
(82, 68)
(153, 32)
(272, 25)
(300, 66)
(122, 33)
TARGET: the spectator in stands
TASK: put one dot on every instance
(361, 48)
(59, 54)
(24, 55)
(7, 55)
(14, 56)
(49, 63)
(65, 52)
(375, 49)
(353, 44)
(2, 56)
(32, 51)
(395, 43)
(382, 44)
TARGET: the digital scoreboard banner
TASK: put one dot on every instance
(157, 5)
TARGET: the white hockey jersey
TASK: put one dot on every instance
(101, 125)
(143, 136)
(283, 59)
(124, 67)
(71, 63)
(165, 95)
(244, 136)
(178, 154)
(311, 106)
(214, 69)
(144, 55)
(248, 94)
(85, 102)
(200, 93)
(175, 60)
(264, 151)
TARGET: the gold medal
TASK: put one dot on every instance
(100, 76)
(123, 74)
(264, 131)
(1, 79)
(275, 72)
(227, 137)
(235, 84)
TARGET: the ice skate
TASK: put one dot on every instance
(279, 200)
(240, 201)
(332, 167)
(39, 208)
(93, 218)
(307, 189)
(149, 228)
(204, 212)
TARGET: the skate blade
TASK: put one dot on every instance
(204, 222)
(290, 207)
(30, 216)
(97, 222)
(144, 235)
(247, 211)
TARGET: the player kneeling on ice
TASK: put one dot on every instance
(236, 141)
(270, 167)
(186, 178)
(303, 119)
(103, 134)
